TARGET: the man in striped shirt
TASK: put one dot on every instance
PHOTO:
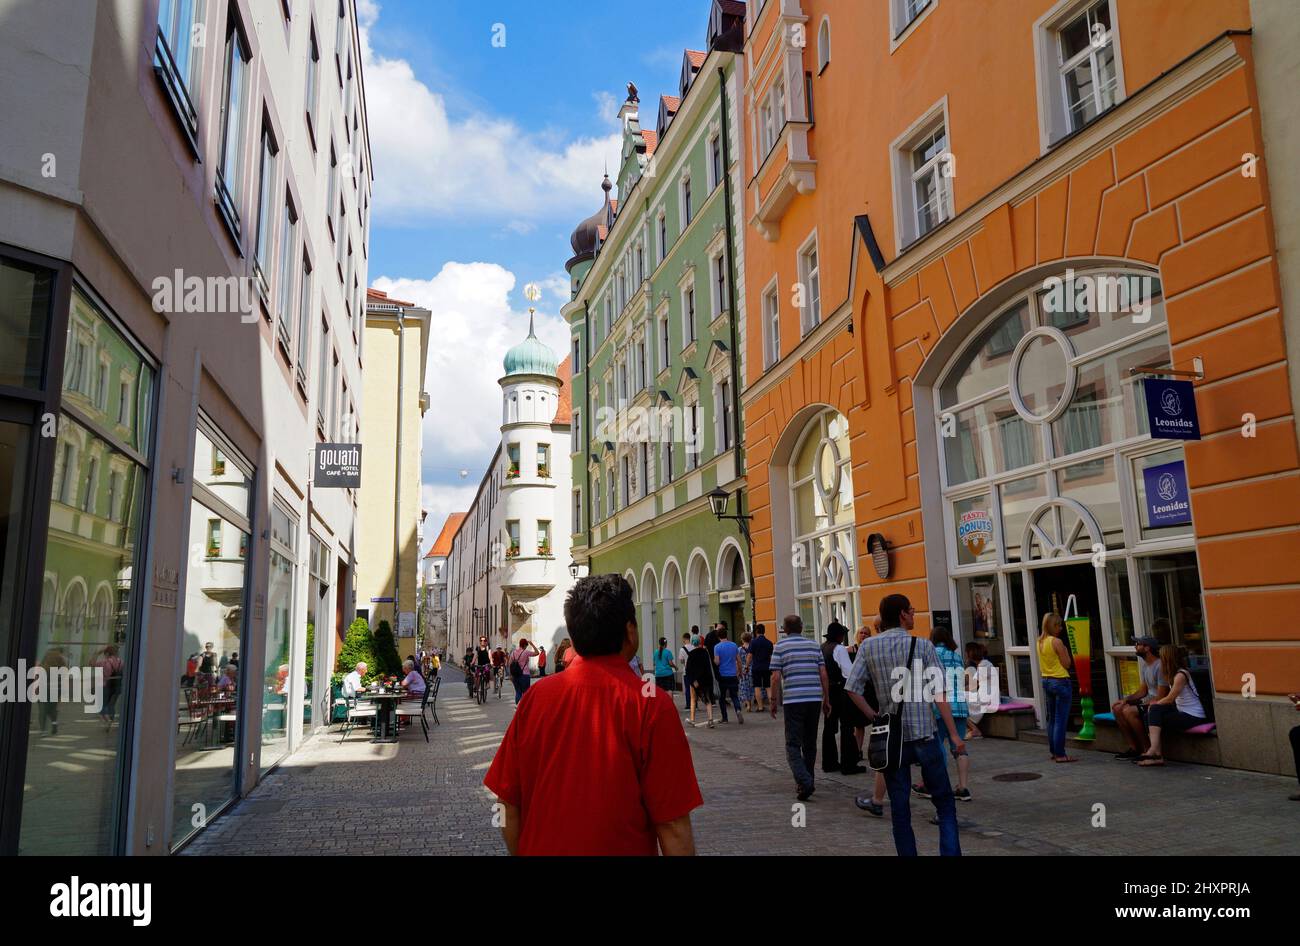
(799, 684)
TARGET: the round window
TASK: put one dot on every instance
(1042, 377)
(828, 470)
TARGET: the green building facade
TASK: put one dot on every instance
(658, 342)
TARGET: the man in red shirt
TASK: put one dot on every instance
(595, 761)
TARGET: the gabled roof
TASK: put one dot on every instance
(382, 297)
(564, 414)
(441, 547)
(696, 58)
(651, 141)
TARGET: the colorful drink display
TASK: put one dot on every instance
(1079, 629)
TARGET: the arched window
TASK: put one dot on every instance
(824, 44)
(1050, 478)
(821, 498)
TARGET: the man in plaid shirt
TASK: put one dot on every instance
(882, 661)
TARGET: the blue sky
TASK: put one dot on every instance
(486, 157)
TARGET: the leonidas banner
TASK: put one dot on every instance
(338, 466)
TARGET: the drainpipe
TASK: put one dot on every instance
(397, 492)
(587, 431)
(738, 451)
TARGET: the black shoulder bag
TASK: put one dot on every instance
(885, 733)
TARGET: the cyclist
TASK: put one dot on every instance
(498, 668)
(467, 662)
(482, 660)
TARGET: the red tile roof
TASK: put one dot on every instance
(696, 57)
(564, 414)
(441, 547)
(379, 296)
(672, 101)
(651, 140)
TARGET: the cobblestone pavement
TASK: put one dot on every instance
(332, 798)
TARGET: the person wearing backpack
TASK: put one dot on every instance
(892, 663)
(1178, 709)
(519, 668)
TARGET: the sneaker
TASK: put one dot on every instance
(804, 793)
(1128, 755)
(962, 794)
(920, 791)
(710, 724)
(865, 803)
(740, 717)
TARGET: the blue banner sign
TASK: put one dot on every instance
(1171, 409)
(1167, 499)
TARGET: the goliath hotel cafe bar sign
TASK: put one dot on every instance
(338, 466)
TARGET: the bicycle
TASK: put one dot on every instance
(499, 679)
(481, 685)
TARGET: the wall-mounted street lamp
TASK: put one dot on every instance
(573, 570)
(719, 498)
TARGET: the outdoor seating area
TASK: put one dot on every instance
(207, 715)
(385, 710)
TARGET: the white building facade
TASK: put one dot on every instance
(508, 569)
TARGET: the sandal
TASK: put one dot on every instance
(1150, 761)
(1065, 758)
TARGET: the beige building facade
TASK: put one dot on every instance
(388, 571)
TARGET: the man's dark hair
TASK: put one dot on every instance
(695, 629)
(759, 629)
(722, 631)
(793, 624)
(597, 612)
(722, 626)
(891, 610)
(836, 632)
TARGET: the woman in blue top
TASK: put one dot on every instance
(954, 687)
(665, 666)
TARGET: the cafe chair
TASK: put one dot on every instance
(191, 715)
(432, 690)
(355, 712)
(407, 711)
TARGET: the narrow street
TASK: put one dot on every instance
(334, 798)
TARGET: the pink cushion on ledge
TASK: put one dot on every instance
(1014, 706)
(1202, 730)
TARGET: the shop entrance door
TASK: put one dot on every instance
(1052, 587)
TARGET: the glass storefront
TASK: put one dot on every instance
(276, 712)
(75, 745)
(821, 496)
(1047, 464)
(212, 675)
(320, 645)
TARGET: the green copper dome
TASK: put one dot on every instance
(531, 356)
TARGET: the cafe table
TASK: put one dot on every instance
(385, 703)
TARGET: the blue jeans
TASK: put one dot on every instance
(1057, 693)
(729, 685)
(928, 754)
(521, 681)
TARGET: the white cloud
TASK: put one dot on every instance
(428, 163)
(472, 327)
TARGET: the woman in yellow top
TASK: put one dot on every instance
(1054, 662)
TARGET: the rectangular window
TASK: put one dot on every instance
(124, 403)
(688, 211)
(512, 458)
(214, 538)
(322, 379)
(930, 167)
(332, 183)
(577, 355)
(101, 387)
(313, 81)
(91, 486)
(643, 450)
(576, 519)
(663, 236)
(230, 165)
(288, 231)
(688, 316)
(613, 491)
(1086, 52)
(692, 435)
(724, 405)
(720, 300)
(265, 195)
(809, 275)
(771, 118)
(771, 328)
(304, 321)
(544, 537)
(577, 430)
(512, 534)
(544, 461)
(668, 451)
(176, 56)
(715, 161)
(642, 382)
(663, 342)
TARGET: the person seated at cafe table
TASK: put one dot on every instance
(413, 682)
(229, 679)
(352, 682)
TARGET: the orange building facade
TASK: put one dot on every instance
(975, 229)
